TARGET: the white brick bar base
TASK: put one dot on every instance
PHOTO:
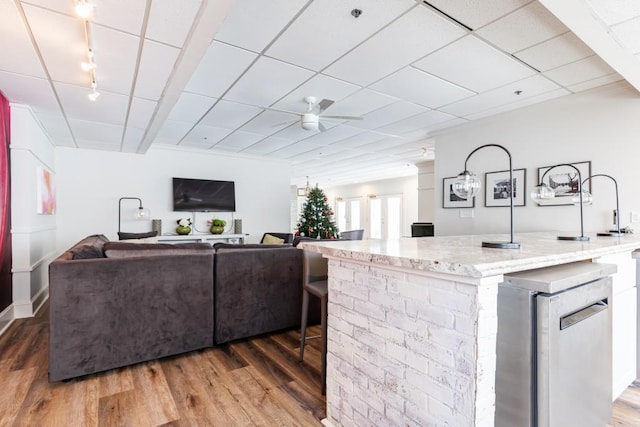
(410, 348)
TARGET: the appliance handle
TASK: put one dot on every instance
(580, 315)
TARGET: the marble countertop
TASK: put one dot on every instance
(463, 255)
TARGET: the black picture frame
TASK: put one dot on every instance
(497, 192)
(565, 188)
(452, 201)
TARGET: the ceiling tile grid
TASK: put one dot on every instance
(407, 67)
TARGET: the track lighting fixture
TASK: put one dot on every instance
(84, 9)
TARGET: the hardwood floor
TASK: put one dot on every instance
(246, 383)
(253, 382)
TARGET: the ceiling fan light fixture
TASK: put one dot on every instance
(310, 121)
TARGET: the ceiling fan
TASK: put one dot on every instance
(310, 120)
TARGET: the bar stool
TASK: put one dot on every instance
(314, 281)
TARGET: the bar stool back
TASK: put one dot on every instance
(314, 282)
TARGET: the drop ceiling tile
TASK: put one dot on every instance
(219, 69)
(190, 107)
(91, 144)
(229, 115)
(362, 102)
(316, 155)
(270, 122)
(490, 67)
(420, 121)
(62, 6)
(55, 125)
(132, 139)
(628, 33)
(61, 42)
(319, 86)
(267, 81)
(239, 140)
(530, 87)
(156, 65)
(28, 90)
(590, 84)
(203, 145)
(359, 140)
(553, 53)
(523, 28)
(94, 131)
(141, 112)
(268, 145)
(171, 21)
(295, 132)
(19, 56)
(265, 19)
(116, 54)
(476, 13)
(580, 71)
(613, 12)
(332, 135)
(519, 104)
(381, 145)
(207, 135)
(389, 114)
(124, 15)
(406, 40)
(110, 108)
(172, 132)
(293, 150)
(422, 88)
(339, 29)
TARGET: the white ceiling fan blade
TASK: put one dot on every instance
(324, 104)
(321, 127)
(282, 111)
(343, 117)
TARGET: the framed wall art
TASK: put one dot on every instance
(497, 188)
(565, 182)
(450, 199)
(45, 192)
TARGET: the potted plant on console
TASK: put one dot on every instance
(217, 225)
(184, 226)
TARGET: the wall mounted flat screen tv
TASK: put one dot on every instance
(203, 195)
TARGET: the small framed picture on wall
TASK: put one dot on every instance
(498, 189)
(450, 199)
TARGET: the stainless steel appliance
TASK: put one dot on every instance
(553, 366)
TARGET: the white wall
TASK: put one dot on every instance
(33, 236)
(407, 187)
(601, 125)
(91, 182)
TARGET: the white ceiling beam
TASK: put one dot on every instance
(209, 21)
(580, 19)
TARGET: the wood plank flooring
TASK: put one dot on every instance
(256, 382)
(246, 383)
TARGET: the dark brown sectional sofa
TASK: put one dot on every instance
(114, 304)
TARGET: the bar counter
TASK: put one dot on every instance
(412, 322)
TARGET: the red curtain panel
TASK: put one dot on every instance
(5, 204)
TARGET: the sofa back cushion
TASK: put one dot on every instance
(127, 250)
(87, 248)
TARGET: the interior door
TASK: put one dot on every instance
(385, 217)
(348, 214)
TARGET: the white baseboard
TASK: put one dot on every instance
(7, 317)
(22, 311)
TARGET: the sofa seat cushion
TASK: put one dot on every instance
(127, 250)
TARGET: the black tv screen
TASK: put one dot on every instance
(203, 195)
